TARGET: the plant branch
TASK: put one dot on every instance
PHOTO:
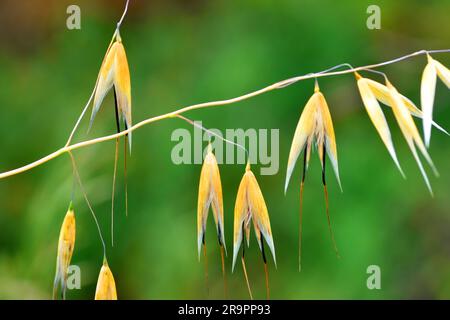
(278, 85)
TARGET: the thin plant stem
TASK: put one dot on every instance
(74, 165)
(123, 14)
(74, 185)
(377, 72)
(77, 124)
(281, 84)
(211, 133)
(81, 115)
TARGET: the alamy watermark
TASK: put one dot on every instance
(374, 278)
(234, 146)
(73, 277)
(73, 21)
(374, 20)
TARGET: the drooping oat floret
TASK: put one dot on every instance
(315, 127)
(66, 244)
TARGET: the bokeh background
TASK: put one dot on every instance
(185, 52)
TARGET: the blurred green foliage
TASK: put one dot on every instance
(185, 52)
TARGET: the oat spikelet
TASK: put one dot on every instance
(210, 195)
(370, 92)
(403, 109)
(114, 72)
(427, 92)
(250, 205)
(409, 130)
(66, 245)
(106, 286)
(314, 127)
(382, 94)
(443, 72)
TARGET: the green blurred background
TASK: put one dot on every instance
(185, 52)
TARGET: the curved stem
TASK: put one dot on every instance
(77, 174)
(211, 133)
(69, 140)
(81, 115)
(123, 15)
(277, 85)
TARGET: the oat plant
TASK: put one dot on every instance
(314, 133)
